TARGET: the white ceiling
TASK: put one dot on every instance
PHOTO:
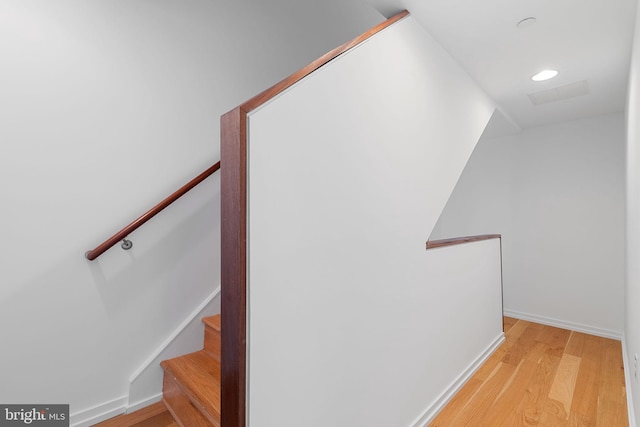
(582, 39)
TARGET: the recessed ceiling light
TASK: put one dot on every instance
(526, 22)
(544, 75)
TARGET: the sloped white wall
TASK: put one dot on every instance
(349, 323)
(632, 276)
(107, 107)
(481, 201)
(556, 193)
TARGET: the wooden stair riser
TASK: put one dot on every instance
(212, 342)
(180, 407)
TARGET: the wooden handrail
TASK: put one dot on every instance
(432, 244)
(120, 235)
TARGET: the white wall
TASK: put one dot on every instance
(481, 201)
(632, 284)
(106, 108)
(569, 224)
(556, 193)
(348, 173)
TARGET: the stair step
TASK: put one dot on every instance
(191, 389)
(212, 339)
(180, 407)
(212, 322)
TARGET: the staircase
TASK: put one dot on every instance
(191, 387)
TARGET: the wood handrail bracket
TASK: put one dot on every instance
(120, 235)
(233, 153)
(432, 244)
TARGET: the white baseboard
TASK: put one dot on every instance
(108, 410)
(429, 414)
(98, 413)
(578, 327)
(627, 380)
(144, 403)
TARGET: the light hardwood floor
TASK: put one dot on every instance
(155, 415)
(543, 376)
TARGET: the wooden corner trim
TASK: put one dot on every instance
(283, 85)
(233, 199)
(432, 244)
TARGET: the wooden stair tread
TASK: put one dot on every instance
(198, 375)
(212, 322)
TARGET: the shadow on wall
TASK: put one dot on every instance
(75, 333)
